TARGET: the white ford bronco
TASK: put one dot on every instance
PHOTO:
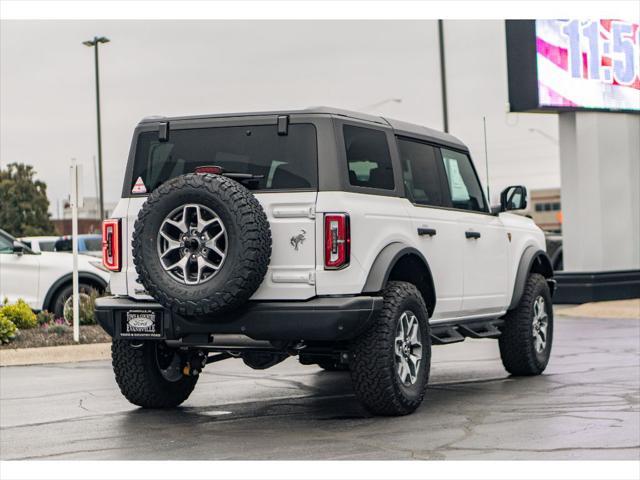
(351, 241)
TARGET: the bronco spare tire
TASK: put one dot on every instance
(201, 244)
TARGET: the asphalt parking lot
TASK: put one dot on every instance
(585, 406)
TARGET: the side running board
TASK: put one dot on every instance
(444, 334)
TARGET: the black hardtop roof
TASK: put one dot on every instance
(399, 126)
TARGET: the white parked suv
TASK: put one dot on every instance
(351, 241)
(44, 279)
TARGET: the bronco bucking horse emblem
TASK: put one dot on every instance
(297, 240)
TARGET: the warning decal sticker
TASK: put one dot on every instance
(139, 186)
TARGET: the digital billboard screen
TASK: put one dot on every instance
(573, 65)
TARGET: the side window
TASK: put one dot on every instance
(466, 192)
(368, 158)
(420, 172)
(6, 245)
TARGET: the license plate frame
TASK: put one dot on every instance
(141, 324)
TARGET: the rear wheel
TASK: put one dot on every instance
(527, 335)
(390, 362)
(150, 374)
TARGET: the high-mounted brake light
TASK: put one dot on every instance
(337, 241)
(209, 169)
(111, 244)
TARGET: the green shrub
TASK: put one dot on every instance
(8, 329)
(57, 328)
(20, 314)
(45, 317)
(87, 308)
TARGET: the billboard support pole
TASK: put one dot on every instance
(443, 78)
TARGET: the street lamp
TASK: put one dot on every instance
(380, 103)
(94, 43)
(551, 138)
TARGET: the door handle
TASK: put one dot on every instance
(470, 234)
(427, 231)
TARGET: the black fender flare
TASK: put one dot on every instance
(68, 278)
(531, 257)
(383, 265)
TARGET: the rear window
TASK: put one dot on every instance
(279, 162)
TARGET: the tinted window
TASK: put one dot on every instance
(6, 245)
(277, 161)
(368, 158)
(93, 244)
(63, 245)
(420, 172)
(464, 187)
(47, 246)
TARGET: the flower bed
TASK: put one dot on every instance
(20, 327)
(53, 336)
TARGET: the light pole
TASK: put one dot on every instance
(551, 138)
(94, 43)
(443, 77)
(380, 103)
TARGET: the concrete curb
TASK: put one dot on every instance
(613, 309)
(61, 354)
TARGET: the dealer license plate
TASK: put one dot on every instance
(141, 323)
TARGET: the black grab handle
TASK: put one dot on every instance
(427, 231)
(469, 234)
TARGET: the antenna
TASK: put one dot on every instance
(486, 158)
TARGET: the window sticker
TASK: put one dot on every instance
(459, 192)
(139, 186)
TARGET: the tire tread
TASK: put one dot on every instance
(140, 380)
(516, 346)
(373, 365)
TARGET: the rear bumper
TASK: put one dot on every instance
(318, 319)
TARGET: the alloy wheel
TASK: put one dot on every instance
(540, 324)
(408, 348)
(192, 244)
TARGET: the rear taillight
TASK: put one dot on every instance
(337, 241)
(111, 244)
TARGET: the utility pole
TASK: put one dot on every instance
(443, 77)
(94, 43)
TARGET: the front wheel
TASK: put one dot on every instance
(525, 342)
(390, 362)
(150, 374)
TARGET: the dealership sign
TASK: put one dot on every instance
(573, 65)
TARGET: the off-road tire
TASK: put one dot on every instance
(517, 350)
(249, 245)
(373, 368)
(139, 378)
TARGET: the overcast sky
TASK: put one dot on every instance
(47, 103)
